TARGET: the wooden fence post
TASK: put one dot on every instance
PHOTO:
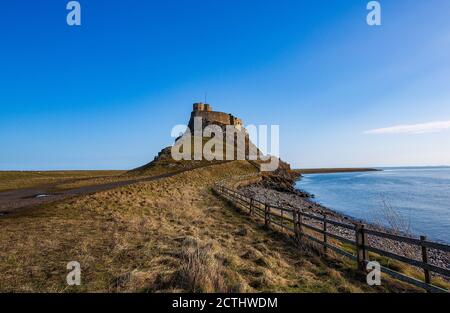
(325, 239)
(294, 219)
(425, 259)
(300, 225)
(361, 243)
(266, 215)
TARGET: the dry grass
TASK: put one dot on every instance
(171, 235)
(26, 179)
(91, 182)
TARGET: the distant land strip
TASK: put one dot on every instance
(334, 170)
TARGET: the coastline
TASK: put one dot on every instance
(334, 170)
(299, 199)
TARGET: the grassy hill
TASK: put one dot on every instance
(166, 235)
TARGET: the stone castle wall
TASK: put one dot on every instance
(211, 117)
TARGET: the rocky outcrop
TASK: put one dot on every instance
(282, 179)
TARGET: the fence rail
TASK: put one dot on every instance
(301, 225)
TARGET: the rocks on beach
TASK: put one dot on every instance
(300, 200)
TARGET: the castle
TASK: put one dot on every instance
(209, 116)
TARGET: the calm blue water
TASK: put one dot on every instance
(421, 196)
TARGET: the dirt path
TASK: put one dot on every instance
(13, 200)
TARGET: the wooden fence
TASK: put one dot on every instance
(316, 228)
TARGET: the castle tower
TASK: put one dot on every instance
(208, 116)
(199, 106)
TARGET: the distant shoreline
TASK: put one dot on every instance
(334, 170)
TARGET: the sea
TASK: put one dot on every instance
(412, 199)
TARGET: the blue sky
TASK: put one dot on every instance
(106, 95)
